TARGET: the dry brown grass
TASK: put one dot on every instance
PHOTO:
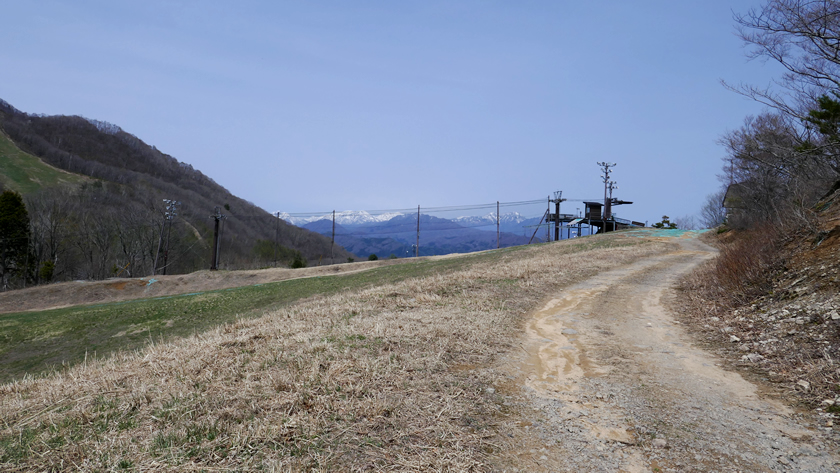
(742, 270)
(390, 378)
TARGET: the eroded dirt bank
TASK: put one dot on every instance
(615, 384)
(72, 293)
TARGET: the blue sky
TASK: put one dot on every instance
(314, 106)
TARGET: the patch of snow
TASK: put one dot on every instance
(490, 219)
(345, 217)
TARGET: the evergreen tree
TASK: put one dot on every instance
(14, 237)
(666, 223)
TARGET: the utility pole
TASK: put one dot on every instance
(276, 237)
(171, 212)
(332, 240)
(417, 247)
(498, 240)
(548, 219)
(558, 197)
(160, 245)
(605, 168)
(611, 186)
(217, 216)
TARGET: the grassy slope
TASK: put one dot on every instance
(393, 377)
(33, 342)
(25, 173)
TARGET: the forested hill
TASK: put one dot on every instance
(130, 181)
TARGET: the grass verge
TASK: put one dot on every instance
(37, 342)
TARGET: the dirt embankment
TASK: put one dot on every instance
(776, 312)
(119, 289)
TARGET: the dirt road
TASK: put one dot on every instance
(616, 384)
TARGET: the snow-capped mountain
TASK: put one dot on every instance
(490, 219)
(345, 217)
(360, 217)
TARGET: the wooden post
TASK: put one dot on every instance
(545, 216)
(417, 246)
(498, 241)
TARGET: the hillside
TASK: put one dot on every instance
(771, 302)
(24, 173)
(125, 184)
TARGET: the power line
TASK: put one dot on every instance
(411, 230)
(427, 210)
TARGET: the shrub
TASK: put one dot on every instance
(743, 269)
(298, 262)
(372, 257)
(47, 271)
(743, 266)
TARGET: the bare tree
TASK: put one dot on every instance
(776, 169)
(50, 217)
(712, 214)
(802, 36)
(686, 222)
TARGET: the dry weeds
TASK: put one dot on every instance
(772, 310)
(73, 293)
(390, 378)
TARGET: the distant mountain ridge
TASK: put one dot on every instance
(512, 222)
(490, 218)
(397, 235)
(344, 217)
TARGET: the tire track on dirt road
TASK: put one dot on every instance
(618, 386)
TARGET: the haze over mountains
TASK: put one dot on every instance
(396, 233)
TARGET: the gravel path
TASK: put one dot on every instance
(614, 383)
